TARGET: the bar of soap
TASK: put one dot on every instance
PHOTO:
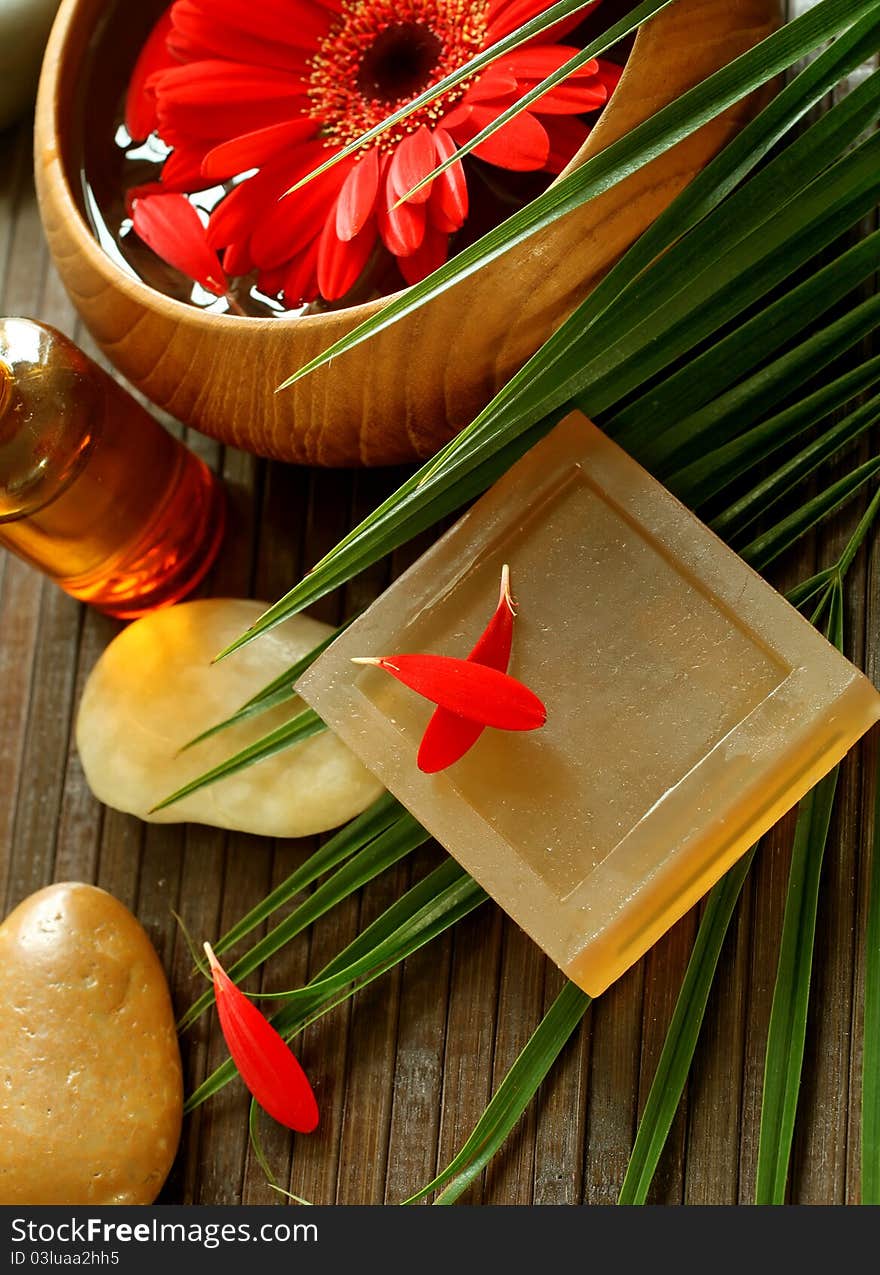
(91, 1091)
(688, 705)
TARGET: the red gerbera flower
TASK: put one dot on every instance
(277, 86)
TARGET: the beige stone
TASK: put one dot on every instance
(90, 1077)
(155, 688)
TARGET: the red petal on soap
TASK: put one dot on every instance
(448, 737)
(266, 1064)
(140, 106)
(173, 229)
(471, 690)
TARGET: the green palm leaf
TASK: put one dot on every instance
(382, 852)
(278, 691)
(512, 1097)
(788, 1017)
(347, 842)
(681, 1037)
(764, 548)
(299, 728)
(724, 464)
(420, 916)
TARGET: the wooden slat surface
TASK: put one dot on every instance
(404, 1070)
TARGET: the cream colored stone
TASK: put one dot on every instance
(155, 688)
(90, 1077)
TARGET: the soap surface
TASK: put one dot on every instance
(688, 705)
(90, 1076)
(155, 688)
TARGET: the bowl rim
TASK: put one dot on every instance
(49, 145)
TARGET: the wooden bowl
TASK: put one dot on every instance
(407, 391)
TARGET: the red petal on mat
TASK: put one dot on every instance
(402, 229)
(173, 229)
(140, 105)
(340, 262)
(413, 159)
(265, 1063)
(357, 199)
(430, 254)
(253, 150)
(448, 737)
(471, 690)
(448, 206)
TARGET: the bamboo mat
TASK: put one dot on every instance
(405, 1069)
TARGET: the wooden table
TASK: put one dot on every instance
(405, 1069)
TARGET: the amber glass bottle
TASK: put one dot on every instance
(93, 491)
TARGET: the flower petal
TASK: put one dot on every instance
(402, 229)
(412, 160)
(537, 61)
(567, 135)
(194, 38)
(266, 1064)
(448, 737)
(340, 262)
(301, 279)
(492, 85)
(476, 691)
(215, 99)
(357, 199)
(521, 145)
(253, 150)
(271, 20)
(506, 15)
(296, 219)
(448, 206)
(173, 229)
(431, 253)
(140, 105)
(182, 169)
(234, 216)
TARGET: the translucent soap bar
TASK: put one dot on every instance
(688, 705)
